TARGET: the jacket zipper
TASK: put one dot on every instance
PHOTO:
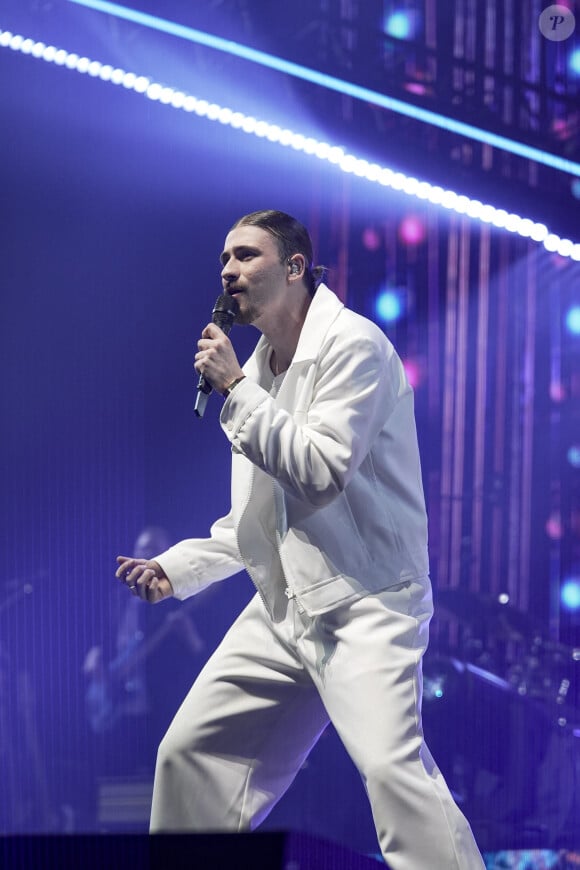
(246, 566)
(288, 591)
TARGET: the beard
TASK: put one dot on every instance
(244, 318)
(247, 312)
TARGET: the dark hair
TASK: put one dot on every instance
(292, 238)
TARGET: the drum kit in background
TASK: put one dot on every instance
(501, 717)
(501, 709)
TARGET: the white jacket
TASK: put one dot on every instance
(340, 447)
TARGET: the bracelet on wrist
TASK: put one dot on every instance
(231, 386)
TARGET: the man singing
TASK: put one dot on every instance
(328, 518)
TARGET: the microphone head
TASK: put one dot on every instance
(224, 311)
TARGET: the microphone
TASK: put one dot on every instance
(223, 315)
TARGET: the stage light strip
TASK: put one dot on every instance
(373, 172)
(332, 83)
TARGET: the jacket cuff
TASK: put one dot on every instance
(184, 579)
(239, 405)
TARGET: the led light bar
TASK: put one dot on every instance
(332, 83)
(350, 163)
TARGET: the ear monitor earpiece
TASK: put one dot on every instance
(294, 268)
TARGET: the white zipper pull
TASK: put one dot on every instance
(290, 594)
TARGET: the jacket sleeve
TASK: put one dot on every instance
(196, 563)
(314, 451)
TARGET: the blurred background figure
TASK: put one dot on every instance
(25, 798)
(130, 698)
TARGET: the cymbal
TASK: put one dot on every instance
(485, 615)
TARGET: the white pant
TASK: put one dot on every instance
(267, 693)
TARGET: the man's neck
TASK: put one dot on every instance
(283, 334)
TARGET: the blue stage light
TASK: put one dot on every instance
(400, 25)
(271, 61)
(574, 62)
(573, 455)
(570, 594)
(389, 306)
(334, 154)
(573, 320)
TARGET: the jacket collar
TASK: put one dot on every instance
(323, 311)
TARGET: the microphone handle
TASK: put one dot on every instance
(225, 321)
(200, 403)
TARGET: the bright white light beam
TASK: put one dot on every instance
(334, 154)
(332, 83)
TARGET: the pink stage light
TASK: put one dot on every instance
(371, 239)
(554, 529)
(414, 372)
(412, 230)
